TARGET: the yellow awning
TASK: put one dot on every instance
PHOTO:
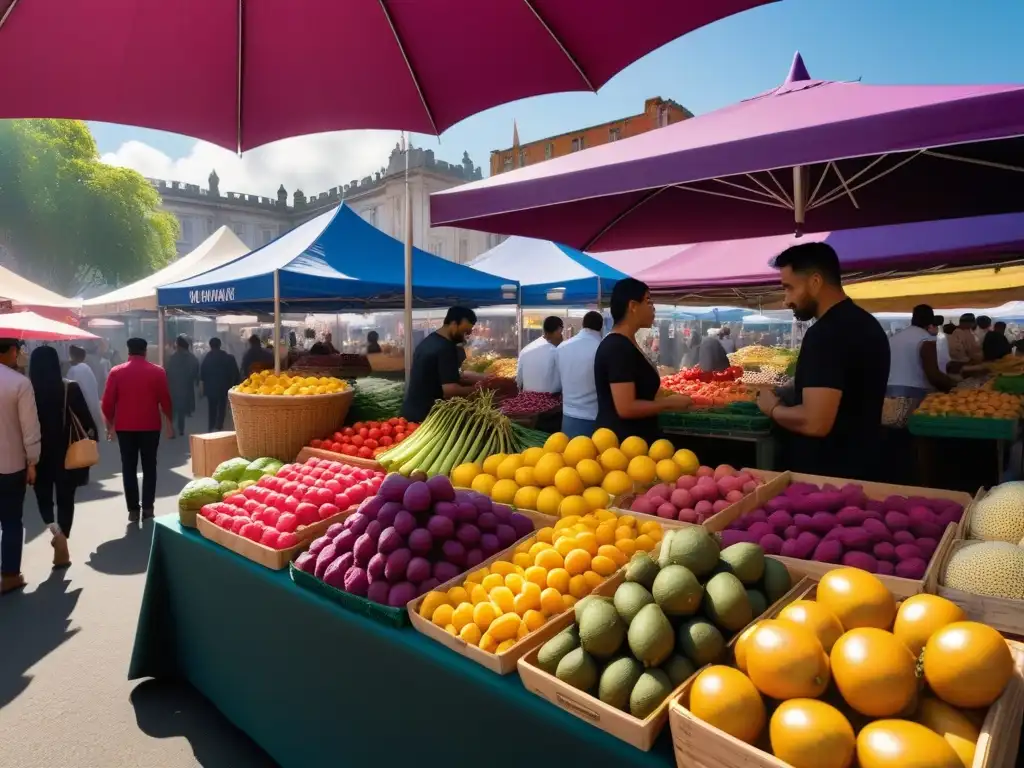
(968, 288)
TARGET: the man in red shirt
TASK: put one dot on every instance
(135, 396)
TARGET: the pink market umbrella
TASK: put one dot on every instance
(810, 154)
(241, 73)
(32, 327)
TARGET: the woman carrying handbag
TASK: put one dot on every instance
(68, 447)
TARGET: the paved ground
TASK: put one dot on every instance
(65, 643)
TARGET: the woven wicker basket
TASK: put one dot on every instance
(280, 426)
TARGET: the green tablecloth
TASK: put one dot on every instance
(314, 684)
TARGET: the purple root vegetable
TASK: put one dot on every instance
(740, 523)
(440, 488)
(885, 551)
(895, 504)
(506, 534)
(789, 548)
(791, 532)
(927, 530)
(804, 505)
(481, 502)
(836, 533)
(325, 558)
(732, 536)
(373, 530)
(378, 592)
(903, 537)
(927, 546)
(643, 505)
(950, 516)
(356, 522)
(419, 570)
(398, 562)
(375, 568)
(908, 552)
(855, 539)
(335, 574)
(876, 529)
(885, 568)
(759, 515)
(861, 560)
(802, 521)
(822, 523)
(306, 562)
(487, 521)
(502, 512)
(830, 551)
(401, 593)
(405, 522)
(386, 517)
(780, 520)
(779, 503)
(467, 511)
(389, 541)
(420, 542)
(850, 517)
(468, 534)
(771, 544)
(911, 569)
(441, 527)
(897, 521)
(667, 511)
(334, 531)
(454, 552)
(445, 571)
(873, 505)
(758, 530)
(318, 544)
(806, 544)
(394, 486)
(346, 540)
(427, 585)
(364, 549)
(417, 497)
(489, 544)
(447, 509)
(474, 557)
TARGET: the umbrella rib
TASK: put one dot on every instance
(7, 13)
(782, 190)
(838, 192)
(773, 204)
(408, 65)
(817, 187)
(560, 44)
(846, 188)
(604, 230)
(766, 193)
(974, 161)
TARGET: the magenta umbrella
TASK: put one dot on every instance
(814, 154)
(243, 73)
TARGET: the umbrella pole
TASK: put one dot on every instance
(519, 322)
(599, 296)
(408, 269)
(277, 322)
(160, 335)
(799, 199)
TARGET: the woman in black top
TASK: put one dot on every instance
(627, 384)
(57, 401)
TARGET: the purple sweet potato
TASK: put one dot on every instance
(346, 540)
(757, 530)
(394, 486)
(441, 527)
(425, 586)
(375, 568)
(454, 552)
(481, 502)
(356, 522)
(927, 546)
(420, 542)
(876, 529)
(908, 552)
(789, 548)
(805, 505)
(405, 522)
(732, 536)
(334, 531)
(885, 551)
(474, 557)
(467, 511)
(373, 530)
(802, 521)
(791, 532)
(389, 541)
(822, 523)
(521, 523)
(398, 562)
(874, 505)
(418, 570)
(364, 549)
(502, 512)
(401, 593)
(335, 574)
(855, 539)
(896, 521)
(780, 520)
(378, 592)
(325, 558)
(306, 562)
(487, 521)
(445, 571)
(371, 506)
(468, 534)
(759, 515)
(447, 509)
(850, 517)
(806, 544)
(830, 551)
(913, 568)
(489, 544)
(885, 568)
(771, 544)
(440, 488)
(779, 503)
(903, 537)
(928, 530)
(861, 560)
(643, 505)
(833, 501)
(417, 497)
(506, 534)
(836, 533)
(318, 544)
(950, 515)
(387, 514)
(895, 504)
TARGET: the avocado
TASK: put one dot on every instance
(678, 668)
(629, 598)
(577, 668)
(700, 641)
(601, 630)
(554, 649)
(617, 681)
(758, 602)
(776, 580)
(581, 606)
(693, 548)
(726, 603)
(650, 636)
(745, 560)
(650, 690)
(677, 591)
(642, 569)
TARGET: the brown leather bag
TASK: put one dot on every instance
(82, 452)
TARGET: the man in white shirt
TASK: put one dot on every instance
(538, 367)
(576, 374)
(19, 453)
(79, 371)
(726, 340)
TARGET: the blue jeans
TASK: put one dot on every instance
(12, 532)
(574, 427)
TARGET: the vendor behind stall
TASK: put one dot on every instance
(964, 348)
(537, 370)
(435, 371)
(833, 426)
(995, 345)
(626, 382)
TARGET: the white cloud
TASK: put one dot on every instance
(313, 164)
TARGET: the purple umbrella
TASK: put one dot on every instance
(241, 73)
(831, 155)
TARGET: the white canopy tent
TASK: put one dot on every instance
(25, 293)
(218, 249)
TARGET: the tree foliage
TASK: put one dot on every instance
(73, 220)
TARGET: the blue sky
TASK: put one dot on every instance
(879, 41)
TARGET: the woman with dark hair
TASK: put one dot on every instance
(627, 384)
(373, 343)
(58, 403)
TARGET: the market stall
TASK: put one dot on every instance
(24, 295)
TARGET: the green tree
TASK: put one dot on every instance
(74, 221)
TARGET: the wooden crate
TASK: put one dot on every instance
(619, 507)
(309, 452)
(1002, 613)
(963, 530)
(275, 559)
(699, 745)
(622, 725)
(777, 482)
(211, 449)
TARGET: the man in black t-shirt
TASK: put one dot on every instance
(834, 426)
(435, 371)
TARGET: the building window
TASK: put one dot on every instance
(209, 225)
(662, 116)
(186, 230)
(239, 229)
(508, 161)
(614, 134)
(579, 143)
(370, 216)
(463, 250)
(268, 235)
(549, 151)
(522, 158)
(435, 247)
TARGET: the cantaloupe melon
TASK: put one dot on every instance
(999, 516)
(994, 568)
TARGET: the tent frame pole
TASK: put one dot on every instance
(519, 321)
(408, 267)
(600, 298)
(277, 322)
(160, 335)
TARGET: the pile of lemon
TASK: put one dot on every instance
(269, 383)
(499, 604)
(574, 477)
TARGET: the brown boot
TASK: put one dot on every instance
(61, 555)
(11, 583)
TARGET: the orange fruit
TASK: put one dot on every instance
(874, 672)
(967, 664)
(726, 699)
(786, 661)
(921, 616)
(857, 598)
(815, 617)
(903, 744)
(807, 732)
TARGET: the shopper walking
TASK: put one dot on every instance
(182, 378)
(256, 357)
(59, 404)
(135, 397)
(82, 374)
(19, 453)
(217, 374)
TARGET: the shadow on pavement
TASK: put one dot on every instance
(168, 709)
(40, 619)
(126, 556)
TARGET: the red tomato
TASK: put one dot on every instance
(349, 450)
(370, 443)
(337, 437)
(386, 440)
(399, 437)
(336, 447)
(348, 432)
(402, 421)
(358, 425)
(365, 453)
(357, 440)
(386, 429)
(363, 433)
(316, 443)
(374, 434)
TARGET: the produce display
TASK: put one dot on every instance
(531, 402)
(375, 399)
(367, 439)
(897, 536)
(506, 367)
(666, 620)
(503, 388)
(695, 498)
(413, 535)
(766, 375)
(709, 389)
(739, 416)
(480, 363)
(755, 356)
(455, 431)
(573, 477)
(992, 562)
(846, 680)
(269, 383)
(980, 403)
(502, 603)
(273, 508)
(229, 476)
